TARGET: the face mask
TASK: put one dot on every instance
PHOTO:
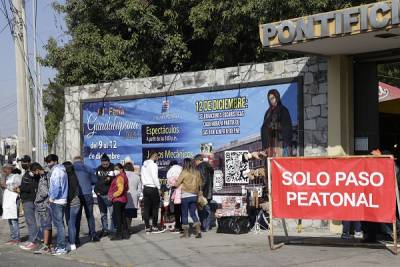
(25, 166)
(50, 165)
(117, 172)
(31, 174)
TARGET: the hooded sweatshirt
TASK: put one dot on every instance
(102, 184)
(42, 195)
(149, 174)
(29, 187)
(58, 191)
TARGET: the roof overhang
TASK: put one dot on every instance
(357, 30)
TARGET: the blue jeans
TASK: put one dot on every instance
(105, 206)
(71, 214)
(14, 229)
(205, 217)
(40, 234)
(189, 205)
(285, 151)
(347, 224)
(86, 203)
(30, 220)
(57, 214)
(44, 220)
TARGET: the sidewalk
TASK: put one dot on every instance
(214, 249)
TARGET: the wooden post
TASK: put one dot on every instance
(271, 217)
(285, 229)
(398, 209)
(395, 238)
(271, 223)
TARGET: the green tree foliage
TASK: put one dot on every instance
(389, 73)
(53, 101)
(112, 39)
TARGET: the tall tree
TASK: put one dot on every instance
(112, 39)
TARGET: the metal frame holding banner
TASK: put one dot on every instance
(351, 188)
(210, 121)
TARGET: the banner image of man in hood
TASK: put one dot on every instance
(276, 130)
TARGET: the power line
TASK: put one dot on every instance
(2, 29)
(6, 106)
(24, 56)
(5, 12)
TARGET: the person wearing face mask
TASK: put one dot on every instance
(28, 189)
(58, 195)
(86, 179)
(151, 194)
(11, 201)
(73, 205)
(105, 175)
(42, 207)
(117, 194)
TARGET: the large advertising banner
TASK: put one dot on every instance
(350, 189)
(179, 126)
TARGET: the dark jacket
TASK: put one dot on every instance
(102, 184)
(207, 175)
(277, 125)
(86, 178)
(29, 187)
(73, 186)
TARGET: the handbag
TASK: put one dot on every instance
(201, 200)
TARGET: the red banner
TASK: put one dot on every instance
(351, 189)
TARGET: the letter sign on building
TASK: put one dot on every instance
(354, 20)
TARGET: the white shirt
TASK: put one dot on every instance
(149, 174)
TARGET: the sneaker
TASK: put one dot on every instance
(345, 236)
(157, 230)
(125, 235)
(13, 242)
(115, 237)
(59, 251)
(43, 250)
(358, 235)
(29, 246)
(147, 230)
(104, 233)
(175, 231)
(71, 247)
(95, 239)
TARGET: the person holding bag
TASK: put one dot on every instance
(172, 176)
(190, 180)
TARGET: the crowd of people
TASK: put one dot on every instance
(54, 196)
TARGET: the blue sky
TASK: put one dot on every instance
(49, 23)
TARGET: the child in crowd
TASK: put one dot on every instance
(42, 207)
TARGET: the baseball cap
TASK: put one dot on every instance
(25, 159)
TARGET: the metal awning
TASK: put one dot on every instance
(389, 99)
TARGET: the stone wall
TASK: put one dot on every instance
(313, 71)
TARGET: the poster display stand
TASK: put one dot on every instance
(273, 246)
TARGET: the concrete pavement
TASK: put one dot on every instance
(213, 249)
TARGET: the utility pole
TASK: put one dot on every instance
(37, 91)
(21, 63)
